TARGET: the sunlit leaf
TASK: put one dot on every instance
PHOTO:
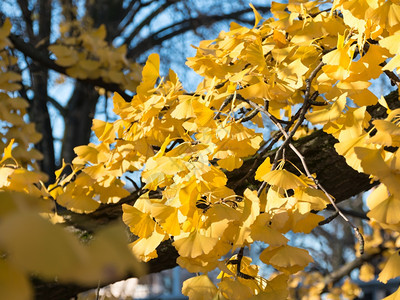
(199, 288)
(391, 269)
(194, 244)
(283, 179)
(286, 258)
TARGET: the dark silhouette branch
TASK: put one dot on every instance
(147, 21)
(27, 16)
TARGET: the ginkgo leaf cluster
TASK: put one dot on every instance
(86, 54)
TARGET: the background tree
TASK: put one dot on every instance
(210, 184)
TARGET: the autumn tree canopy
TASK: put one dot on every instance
(211, 184)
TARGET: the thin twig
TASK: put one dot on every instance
(133, 182)
(238, 265)
(260, 189)
(98, 290)
(224, 104)
(329, 219)
(250, 116)
(394, 80)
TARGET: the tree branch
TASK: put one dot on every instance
(338, 274)
(157, 38)
(147, 21)
(27, 15)
(43, 59)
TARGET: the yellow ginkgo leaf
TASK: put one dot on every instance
(150, 74)
(104, 131)
(230, 163)
(245, 267)
(255, 56)
(139, 223)
(199, 288)
(145, 248)
(372, 161)
(386, 211)
(261, 231)
(316, 198)
(346, 148)
(257, 15)
(234, 289)
(293, 73)
(5, 29)
(250, 212)
(304, 222)
(184, 109)
(86, 154)
(263, 169)
(283, 179)
(7, 151)
(199, 264)
(286, 258)
(324, 114)
(167, 217)
(257, 90)
(388, 133)
(391, 269)
(219, 218)
(77, 201)
(392, 43)
(194, 244)
(394, 296)
(276, 288)
(275, 198)
(204, 115)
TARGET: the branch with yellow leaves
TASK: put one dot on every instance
(340, 180)
(288, 143)
(37, 55)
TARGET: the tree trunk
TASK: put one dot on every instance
(78, 121)
(39, 114)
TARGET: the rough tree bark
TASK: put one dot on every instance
(38, 111)
(78, 119)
